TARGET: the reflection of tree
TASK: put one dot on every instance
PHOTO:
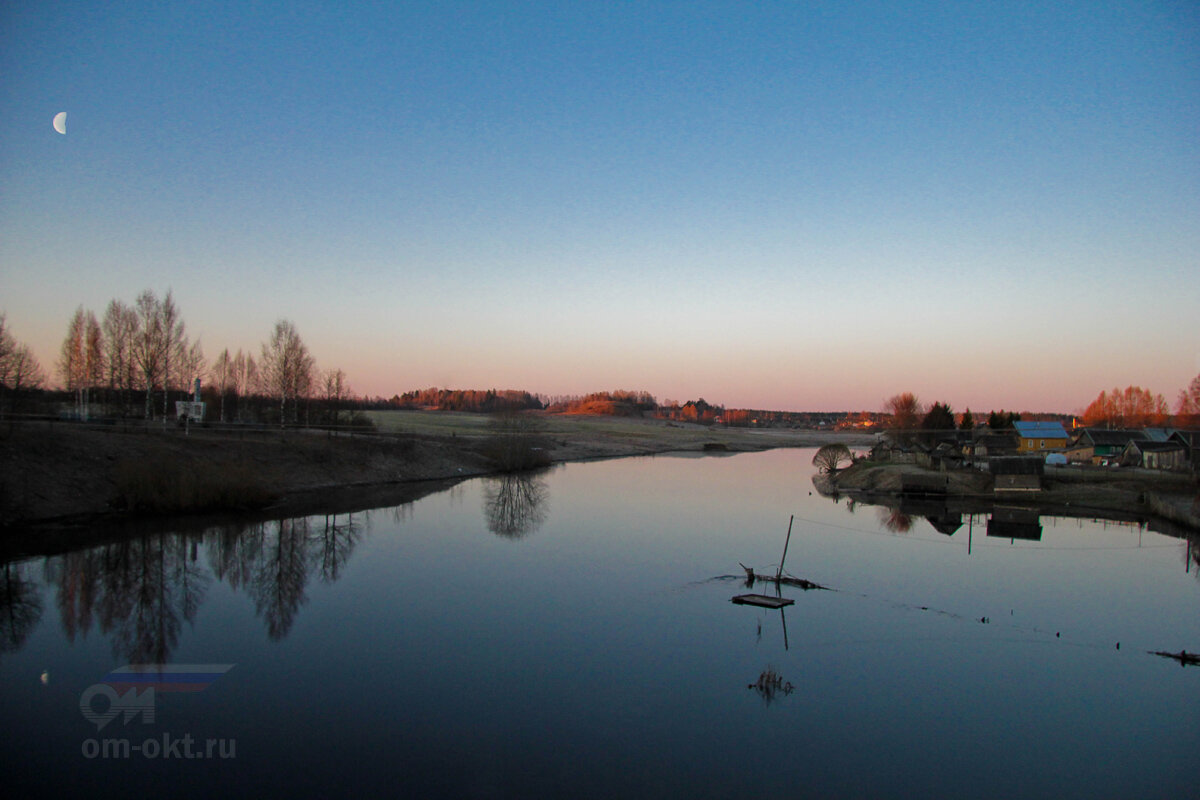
(337, 541)
(280, 574)
(232, 551)
(895, 520)
(20, 607)
(141, 590)
(515, 505)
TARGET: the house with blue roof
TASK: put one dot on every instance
(1034, 437)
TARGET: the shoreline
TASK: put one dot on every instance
(61, 476)
(1131, 494)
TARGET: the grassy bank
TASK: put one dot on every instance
(72, 471)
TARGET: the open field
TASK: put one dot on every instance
(583, 436)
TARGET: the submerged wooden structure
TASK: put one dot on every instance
(1183, 657)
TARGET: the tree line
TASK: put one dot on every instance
(1137, 407)
(1131, 407)
(20, 372)
(140, 353)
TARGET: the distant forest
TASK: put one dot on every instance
(137, 360)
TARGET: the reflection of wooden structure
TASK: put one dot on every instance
(1015, 523)
(762, 600)
(1183, 657)
(923, 484)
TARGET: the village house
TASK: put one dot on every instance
(990, 444)
(1191, 446)
(1035, 437)
(1100, 446)
(1154, 455)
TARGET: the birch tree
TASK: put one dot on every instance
(175, 348)
(335, 390)
(19, 369)
(222, 377)
(148, 344)
(80, 364)
(286, 366)
(120, 328)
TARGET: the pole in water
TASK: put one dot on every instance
(779, 574)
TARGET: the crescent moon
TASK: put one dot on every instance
(60, 122)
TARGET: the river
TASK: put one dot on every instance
(572, 635)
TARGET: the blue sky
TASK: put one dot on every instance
(789, 205)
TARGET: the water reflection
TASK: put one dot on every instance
(771, 686)
(515, 505)
(20, 606)
(895, 520)
(1008, 522)
(140, 591)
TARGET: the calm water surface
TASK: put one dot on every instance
(573, 635)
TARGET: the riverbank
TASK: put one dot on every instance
(70, 474)
(1085, 491)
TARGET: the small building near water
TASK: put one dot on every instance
(1154, 455)
(1019, 474)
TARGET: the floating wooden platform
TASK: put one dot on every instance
(766, 601)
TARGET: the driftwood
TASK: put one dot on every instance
(1183, 657)
(785, 580)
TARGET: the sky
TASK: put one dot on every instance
(795, 206)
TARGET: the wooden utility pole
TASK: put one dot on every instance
(779, 573)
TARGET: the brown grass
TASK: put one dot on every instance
(163, 487)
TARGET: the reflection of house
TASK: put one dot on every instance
(1017, 473)
(1100, 446)
(1015, 523)
(1034, 437)
(934, 510)
(1154, 455)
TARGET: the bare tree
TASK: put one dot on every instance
(19, 369)
(174, 344)
(905, 410)
(81, 364)
(830, 457)
(244, 380)
(1188, 407)
(148, 351)
(222, 376)
(120, 329)
(7, 343)
(334, 390)
(286, 367)
(194, 364)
